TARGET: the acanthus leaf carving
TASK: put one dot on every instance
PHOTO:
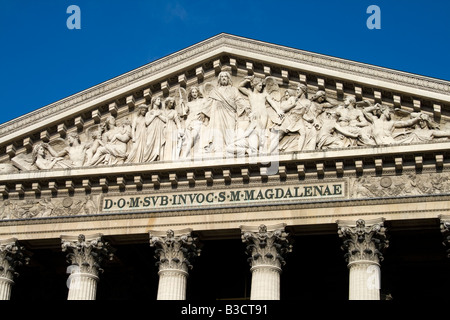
(266, 247)
(87, 253)
(363, 243)
(445, 230)
(12, 256)
(174, 251)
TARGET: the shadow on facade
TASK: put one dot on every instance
(415, 267)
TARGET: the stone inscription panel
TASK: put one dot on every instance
(181, 200)
(409, 184)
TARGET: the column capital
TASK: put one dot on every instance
(12, 255)
(266, 245)
(445, 230)
(363, 242)
(445, 223)
(174, 249)
(87, 252)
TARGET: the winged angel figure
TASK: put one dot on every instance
(264, 112)
(191, 110)
(211, 112)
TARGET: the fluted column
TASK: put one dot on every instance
(86, 254)
(12, 255)
(363, 245)
(266, 247)
(174, 251)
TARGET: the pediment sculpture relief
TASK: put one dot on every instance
(253, 117)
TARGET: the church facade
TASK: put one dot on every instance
(232, 169)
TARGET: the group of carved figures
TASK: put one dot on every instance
(409, 184)
(48, 207)
(255, 117)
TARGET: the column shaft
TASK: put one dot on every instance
(364, 281)
(265, 283)
(172, 285)
(5, 288)
(82, 286)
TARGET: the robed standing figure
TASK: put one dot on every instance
(222, 105)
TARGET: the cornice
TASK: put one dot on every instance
(220, 44)
(117, 83)
(354, 153)
(342, 65)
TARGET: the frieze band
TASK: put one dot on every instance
(365, 187)
(230, 197)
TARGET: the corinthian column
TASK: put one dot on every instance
(363, 246)
(86, 254)
(11, 256)
(266, 248)
(174, 250)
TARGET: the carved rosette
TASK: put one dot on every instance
(12, 255)
(266, 247)
(87, 253)
(363, 243)
(174, 252)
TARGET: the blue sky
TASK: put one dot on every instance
(42, 61)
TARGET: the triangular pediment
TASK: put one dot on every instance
(416, 110)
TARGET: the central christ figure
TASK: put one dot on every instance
(222, 106)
